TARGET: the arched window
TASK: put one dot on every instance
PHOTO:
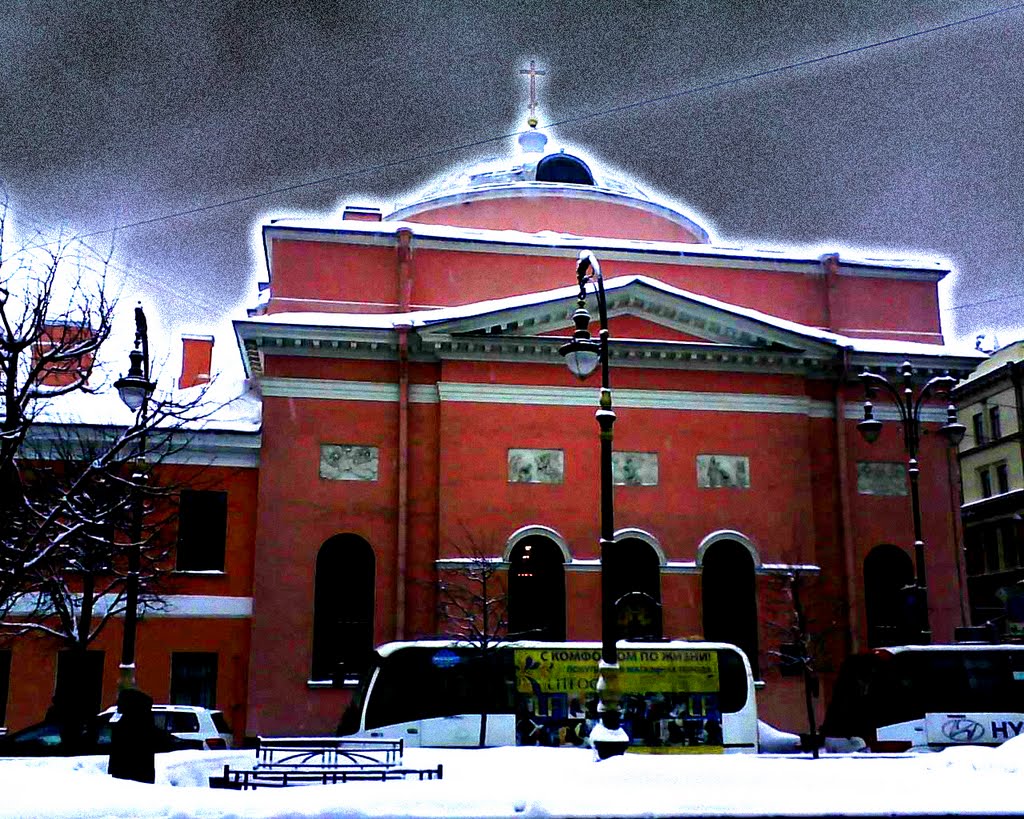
(635, 574)
(563, 167)
(536, 590)
(888, 573)
(729, 596)
(343, 608)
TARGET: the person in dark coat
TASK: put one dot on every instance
(133, 738)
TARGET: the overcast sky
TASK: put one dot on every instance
(113, 113)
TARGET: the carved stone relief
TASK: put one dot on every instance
(536, 466)
(348, 462)
(881, 478)
(722, 471)
(635, 468)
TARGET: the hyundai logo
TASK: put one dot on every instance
(963, 730)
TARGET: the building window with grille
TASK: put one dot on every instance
(202, 531)
(536, 590)
(194, 678)
(79, 684)
(994, 426)
(5, 683)
(729, 598)
(978, 423)
(985, 480)
(343, 601)
(1002, 479)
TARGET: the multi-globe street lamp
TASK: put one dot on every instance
(583, 355)
(910, 409)
(135, 389)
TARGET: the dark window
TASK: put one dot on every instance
(177, 722)
(986, 482)
(343, 608)
(635, 580)
(202, 530)
(536, 590)
(979, 428)
(5, 683)
(79, 681)
(991, 541)
(564, 168)
(194, 679)
(993, 423)
(1002, 479)
(888, 574)
(729, 598)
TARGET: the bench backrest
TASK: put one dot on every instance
(342, 752)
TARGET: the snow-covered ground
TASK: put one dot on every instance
(517, 782)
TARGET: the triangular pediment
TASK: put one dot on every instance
(639, 308)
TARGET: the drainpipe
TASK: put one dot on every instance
(956, 500)
(404, 253)
(830, 264)
(845, 518)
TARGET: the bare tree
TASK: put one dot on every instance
(67, 490)
(473, 609)
(804, 636)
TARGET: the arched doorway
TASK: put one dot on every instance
(888, 573)
(343, 608)
(635, 578)
(536, 590)
(729, 595)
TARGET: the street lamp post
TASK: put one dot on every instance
(582, 356)
(910, 415)
(135, 389)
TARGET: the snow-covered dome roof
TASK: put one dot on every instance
(591, 198)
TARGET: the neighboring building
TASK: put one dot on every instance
(991, 405)
(414, 405)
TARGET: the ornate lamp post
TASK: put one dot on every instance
(135, 389)
(582, 355)
(910, 415)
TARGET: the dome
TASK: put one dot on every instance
(554, 190)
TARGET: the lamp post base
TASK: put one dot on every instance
(608, 743)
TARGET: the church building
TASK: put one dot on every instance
(415, 410)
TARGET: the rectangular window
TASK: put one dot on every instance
(80, 679)
(194, 678)
(202, 530)
(979, 429)
(1002, 479)
(5, 683)
(991, 537)
(986, 482)
(994, 427)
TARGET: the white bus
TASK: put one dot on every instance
(930, 697)
(678, 697)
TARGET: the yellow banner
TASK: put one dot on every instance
(574, 670)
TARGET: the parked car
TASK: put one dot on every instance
(189, 722)
(53, 739)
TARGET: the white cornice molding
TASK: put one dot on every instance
(531, 395)
(172, 605)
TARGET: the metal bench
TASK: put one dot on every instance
(328, 752)
(283, 777)
(284, 761)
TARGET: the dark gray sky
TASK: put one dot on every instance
(116, 112)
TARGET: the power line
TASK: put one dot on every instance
(558, 123)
